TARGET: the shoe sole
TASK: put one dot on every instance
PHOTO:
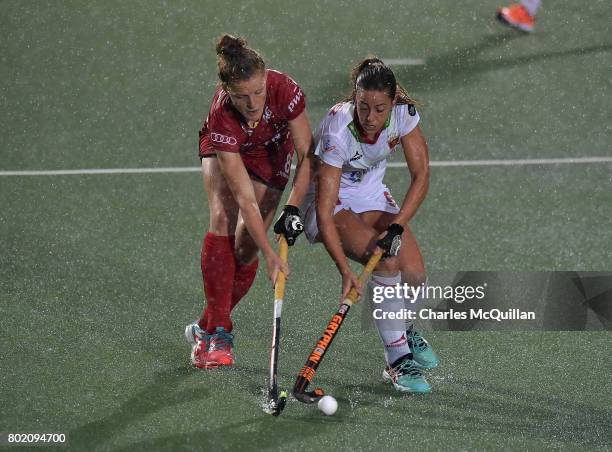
(387, 379)
(213, 365)
(207, 364)
(189, 335)
(516, 26)
(191, 340)
(194, 346)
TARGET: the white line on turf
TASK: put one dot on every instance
(192, 169)
(518, 162)
(187, 169)
(404, 61)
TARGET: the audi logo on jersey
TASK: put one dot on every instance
(223, 139)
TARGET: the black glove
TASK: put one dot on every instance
(289, 224)
(392, 241)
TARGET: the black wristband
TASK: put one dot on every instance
(395, 229)
(392, 241)
(291, 210)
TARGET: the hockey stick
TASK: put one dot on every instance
(309, 369)
(276, 400)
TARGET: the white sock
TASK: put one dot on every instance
(416, 297)
(531, 6)
(392, 332)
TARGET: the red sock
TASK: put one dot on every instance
(243, 280)
(218, 269)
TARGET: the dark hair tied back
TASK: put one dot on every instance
(229, 46)
(372, 74)
(236, 60)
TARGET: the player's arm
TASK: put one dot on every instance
(417, 159)
(304, 147)
(328, 185)
(240, 184)
(290, 223)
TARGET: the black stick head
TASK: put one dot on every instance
(309, 396)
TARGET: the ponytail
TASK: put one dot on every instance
(372, 74)
(236, 61)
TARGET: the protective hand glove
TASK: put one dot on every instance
(392, 241)
(289, 224)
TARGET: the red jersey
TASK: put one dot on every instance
(267, 149)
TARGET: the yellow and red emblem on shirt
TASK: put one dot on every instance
(393, 141)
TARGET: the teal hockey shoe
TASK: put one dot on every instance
(406, 376)
(422, 353)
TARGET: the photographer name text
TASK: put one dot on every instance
(472, 314)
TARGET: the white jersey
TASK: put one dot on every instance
(363, 162)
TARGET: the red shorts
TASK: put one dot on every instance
(268, 165)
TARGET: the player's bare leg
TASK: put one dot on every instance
(359, 240)
(267, 200)
(411, 261)
(245, 248)
(222, 207)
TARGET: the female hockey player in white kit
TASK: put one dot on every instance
(352, 210)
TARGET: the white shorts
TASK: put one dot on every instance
(379, 199)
